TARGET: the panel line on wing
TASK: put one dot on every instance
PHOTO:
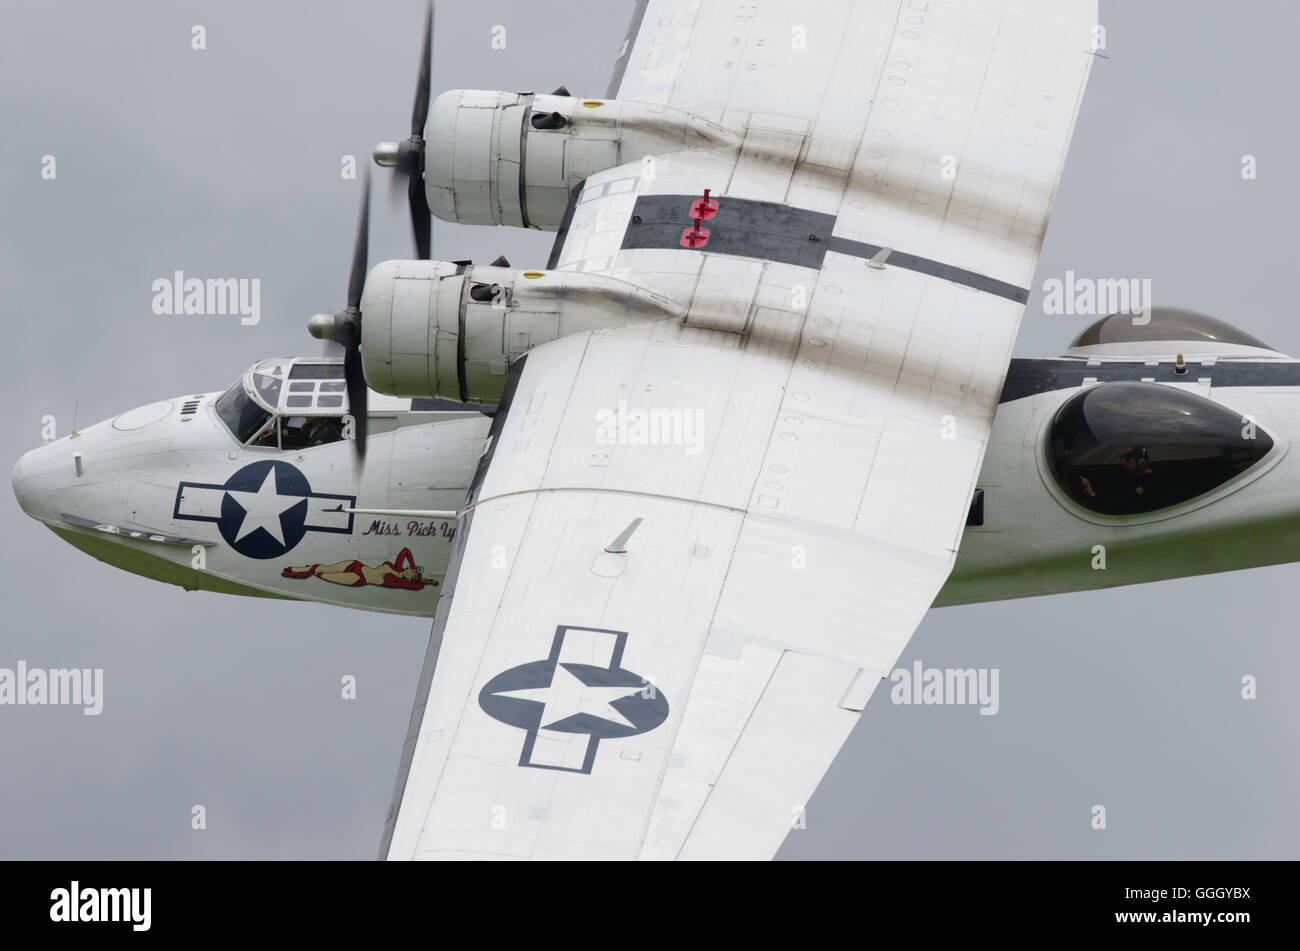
(749, 716)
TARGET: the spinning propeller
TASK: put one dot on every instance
(407, 158)
(344, 328)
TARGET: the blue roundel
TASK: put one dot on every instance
(264, 510)
(601, 700)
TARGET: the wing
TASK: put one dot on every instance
(694, 547)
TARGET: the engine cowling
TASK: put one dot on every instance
(501, 158)
(436, 328)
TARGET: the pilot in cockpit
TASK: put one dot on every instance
(321, 430)
(1141, 478)
(1137, 466)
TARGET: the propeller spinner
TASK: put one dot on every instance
(407, 158)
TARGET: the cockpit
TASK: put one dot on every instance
(1128, 448)
(287, 404)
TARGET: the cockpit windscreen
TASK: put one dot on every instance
(241, 415)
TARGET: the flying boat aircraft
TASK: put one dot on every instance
(676, 498)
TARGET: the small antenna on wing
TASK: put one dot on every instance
(619, 545)
(880, 257)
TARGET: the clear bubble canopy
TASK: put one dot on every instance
(1129, 448)
(1164, 324)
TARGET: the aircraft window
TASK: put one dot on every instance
(1129, 448)
(303, 432)
(269, 436)
(241, 415)
(302, 387)
(333, 387)
(300, 402)
(268, 388)
(329, 402)
(316, 371)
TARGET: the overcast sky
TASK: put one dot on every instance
(226, 162)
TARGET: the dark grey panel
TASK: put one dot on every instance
(775, 232)
(754, 229)
(1026, 377)
(912, 262)
(424, 404)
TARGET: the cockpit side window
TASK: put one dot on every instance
(268, 437)
(303, 432)
(241, 415)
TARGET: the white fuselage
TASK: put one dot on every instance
(168, 492)
(1035, 541)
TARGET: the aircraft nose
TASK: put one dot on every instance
(41, 474)
(29, 480)
(88, 474)
(21, 479)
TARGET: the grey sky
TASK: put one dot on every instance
(225, 162)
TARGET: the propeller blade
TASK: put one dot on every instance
(420, 114)
(393, 184)
(357, 397)
(421, 217)
(406, 159)
(357, 279)
(330, 350)
(344, 329)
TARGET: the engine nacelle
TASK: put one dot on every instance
(435, 328)
(501, 158)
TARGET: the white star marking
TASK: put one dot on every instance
(263, 508)
(568, 696)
